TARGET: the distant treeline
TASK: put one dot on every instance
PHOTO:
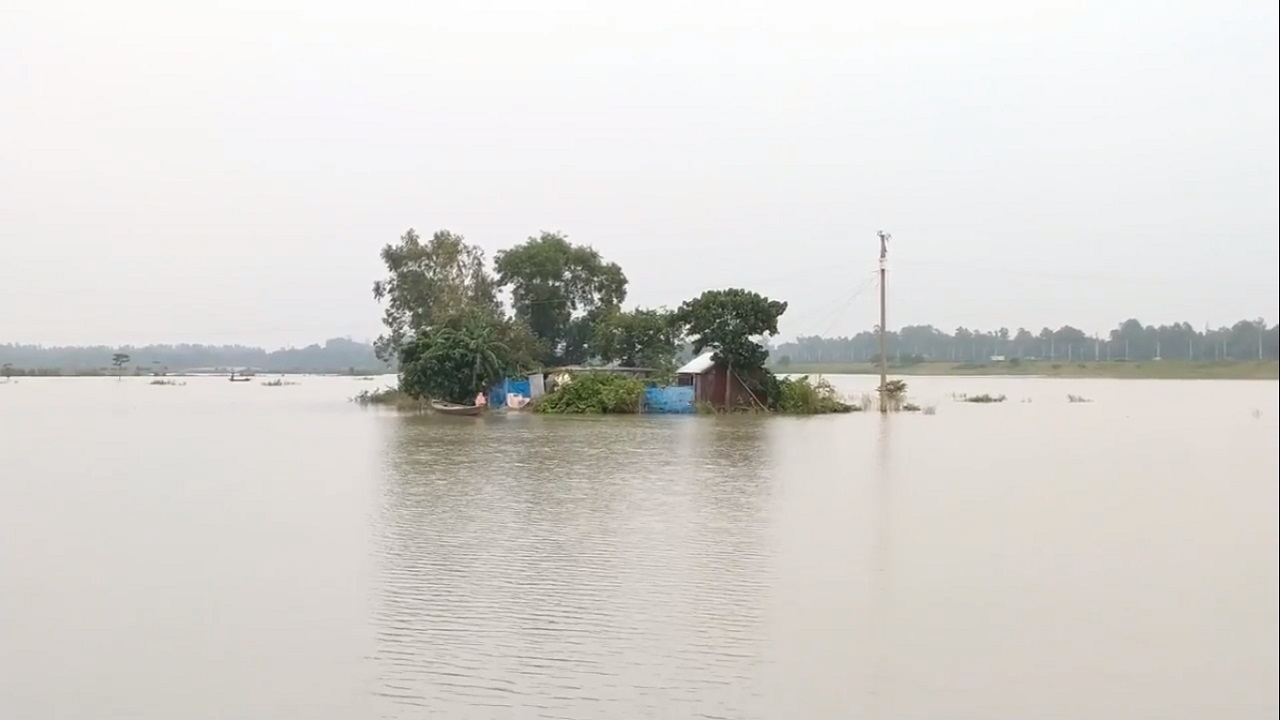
(1131, 340)
(335, 355)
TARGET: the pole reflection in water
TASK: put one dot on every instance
(881, 580)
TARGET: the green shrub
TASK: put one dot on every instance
(389, 397)
(594, 393)
(895, 396)
(800, 396)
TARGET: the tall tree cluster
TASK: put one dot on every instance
(1129, 340)
(453, 337)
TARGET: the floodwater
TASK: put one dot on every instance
(222, 550)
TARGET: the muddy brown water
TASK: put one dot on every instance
(238, 551)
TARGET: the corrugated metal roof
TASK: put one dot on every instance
(698, 365)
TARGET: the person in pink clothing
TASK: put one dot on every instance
(481, 400)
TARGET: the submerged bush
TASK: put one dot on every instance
(594, 393)
(800, 396)
(388, 397)
(895, 397)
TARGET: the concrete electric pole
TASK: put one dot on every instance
(884, 348)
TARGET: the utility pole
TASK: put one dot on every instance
(884, 348)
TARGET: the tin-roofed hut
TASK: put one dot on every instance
(715, 383)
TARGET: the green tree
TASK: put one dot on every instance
(461, 356)
(120, 360)
(560, 291)
(427, 282)
(6, 370)
(1070, 341)
(727, 320)
(640, 338)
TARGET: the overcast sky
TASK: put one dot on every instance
(227, 171)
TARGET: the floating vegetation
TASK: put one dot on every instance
(930, 410)
(278, 382)
(983, 399)
(1078, 399)
(163, 381)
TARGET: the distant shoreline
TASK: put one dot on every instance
(68, 373)
(1116, 370)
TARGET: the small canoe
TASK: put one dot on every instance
(241, 379)
(446, 408)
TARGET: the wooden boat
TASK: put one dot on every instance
(240, 379)
(447, 408)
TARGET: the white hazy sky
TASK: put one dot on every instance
(227, 171)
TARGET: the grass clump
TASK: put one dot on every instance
(594, 394)
(702, 407)
(164, 381)
(278, 382)
(801, 396)
(1078, 399)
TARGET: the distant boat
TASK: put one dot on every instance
(448, 408)
(240, 379)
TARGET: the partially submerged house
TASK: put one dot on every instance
(714, 383)
(701, 380)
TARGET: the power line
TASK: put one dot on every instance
(832, 316)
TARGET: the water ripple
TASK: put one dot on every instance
(617, 573)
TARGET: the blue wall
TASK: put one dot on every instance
(660, 400)
(667, 400)
(498, 393)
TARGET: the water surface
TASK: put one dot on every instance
(217, 550)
